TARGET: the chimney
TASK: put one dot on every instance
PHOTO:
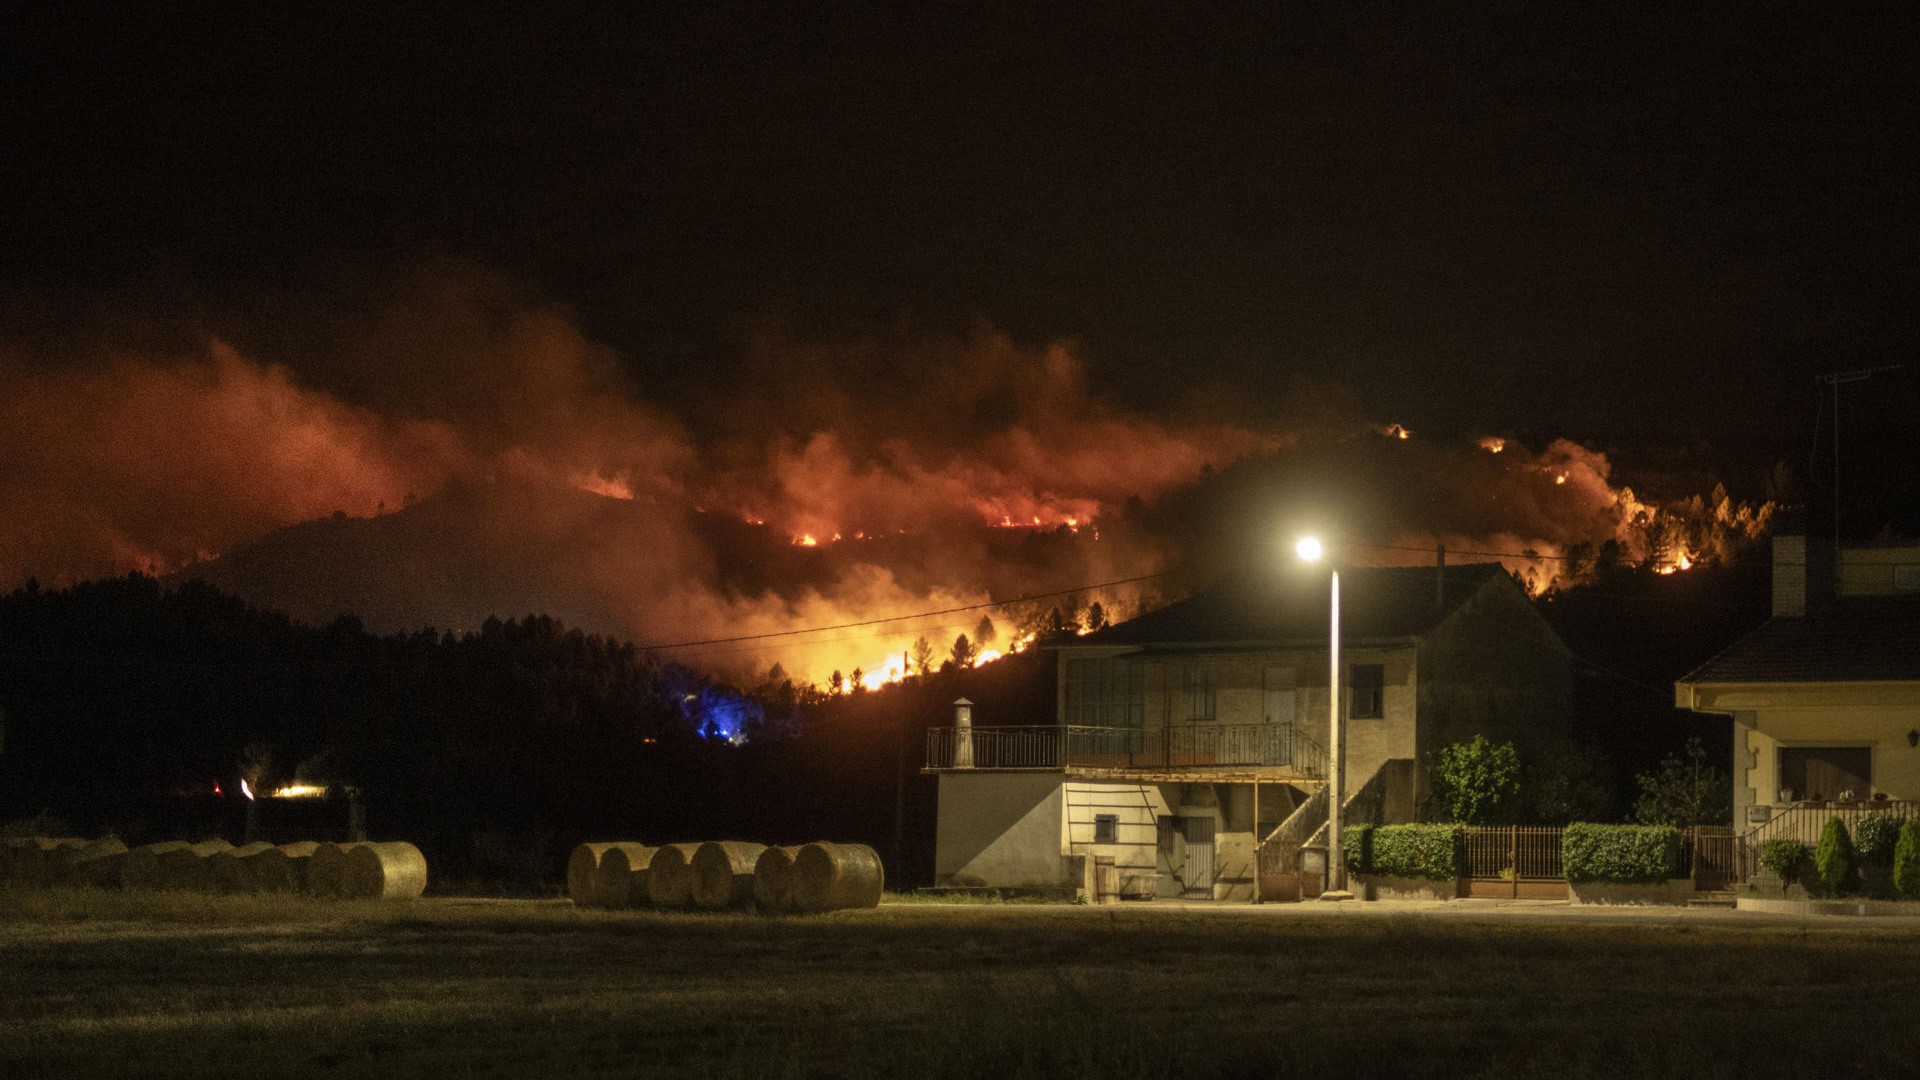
(1802, 565)
(962, 734)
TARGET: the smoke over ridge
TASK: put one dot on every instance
(841, 481)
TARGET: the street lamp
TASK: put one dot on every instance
(1310, 550)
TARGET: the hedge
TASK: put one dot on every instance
(1620, 853)
(1434, 852)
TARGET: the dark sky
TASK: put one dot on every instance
(1562, 219)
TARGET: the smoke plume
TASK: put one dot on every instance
(459, 451)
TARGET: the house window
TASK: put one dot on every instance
(1106, 828)
(1824, 772)
(1107, 693)
(1200, 692)
(1367, 693)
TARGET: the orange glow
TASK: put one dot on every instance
(806, 540)
(299, 791)
(1560, 479)
(1396, 431)
(1681, 561)
(615, 487)
(1493, 445)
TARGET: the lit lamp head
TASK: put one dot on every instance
(1309, 549)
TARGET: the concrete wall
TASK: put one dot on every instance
(1005, 829)
(1875, 571)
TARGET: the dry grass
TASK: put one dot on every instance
(97, 983)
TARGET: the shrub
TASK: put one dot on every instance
(1684, 791)
(1874, 838)
(1621, 853)
(1566, 782)
(1435, 852)
(1906, 861)
(1787, 858)
(1477, 781)
(1835, 864)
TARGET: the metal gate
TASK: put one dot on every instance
(1515, 862)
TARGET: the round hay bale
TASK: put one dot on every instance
(282, 869)
(141, 870)
(12, 854)
(47, 858)
(228, 872)
(327, 869)
(621, 881)
(723, 874)
(669, 878)
(384, 871)
(186, 867)
(96, 865)
(829, 877)
(582, 872)
(773, 880)
(43, 859)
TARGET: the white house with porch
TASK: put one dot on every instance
(1824, 697)
(1186, 740)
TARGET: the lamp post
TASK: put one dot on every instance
(1310, 550)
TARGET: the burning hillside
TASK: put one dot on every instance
(460, 454)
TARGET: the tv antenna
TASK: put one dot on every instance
(1836, 379)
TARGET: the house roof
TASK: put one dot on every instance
(1291, 606)
(1853, 639)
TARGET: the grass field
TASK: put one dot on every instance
(103, 984)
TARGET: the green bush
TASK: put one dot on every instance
(1620, 853)
(1906, 861)
(1836, 865)
(1477, 781)
(1874, 838)
(1435, 852)
(1787, 858)
(1357, 842)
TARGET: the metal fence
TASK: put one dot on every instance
(1199, 745)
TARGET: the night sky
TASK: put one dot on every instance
(1529, 217)
(772, 279)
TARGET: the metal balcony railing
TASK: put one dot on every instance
(1192, 745)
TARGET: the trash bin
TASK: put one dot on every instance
(1313, 871)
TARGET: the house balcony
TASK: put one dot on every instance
(1197, 750)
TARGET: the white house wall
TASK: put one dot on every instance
(1136, 808)
(1004, 829)
(1761, 733)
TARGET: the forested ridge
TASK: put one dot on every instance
(127, 703)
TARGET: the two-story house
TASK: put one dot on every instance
(1185, 737)
(1825, 696)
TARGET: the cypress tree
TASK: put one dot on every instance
(1834, 861)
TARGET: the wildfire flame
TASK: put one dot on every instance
(1492, 444)
(246, 788)
(299, 791)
